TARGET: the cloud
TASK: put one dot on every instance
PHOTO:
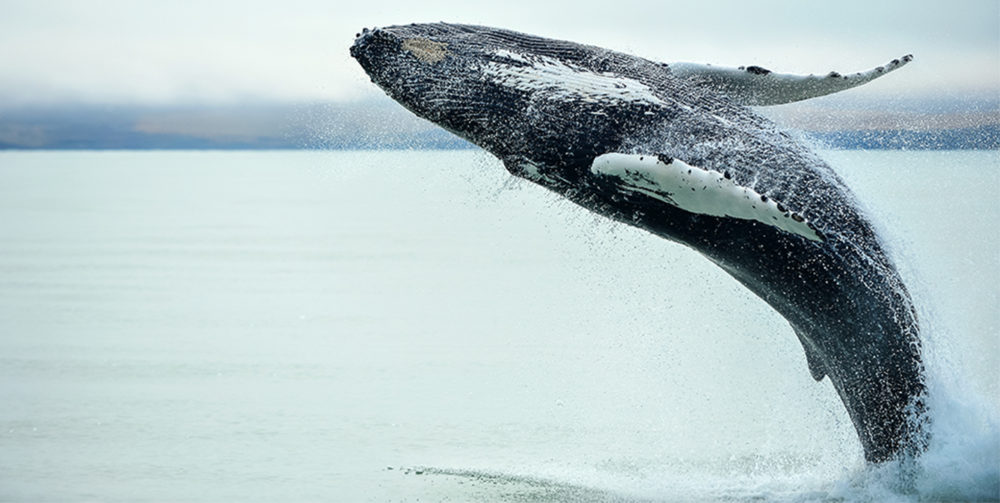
(226, 51)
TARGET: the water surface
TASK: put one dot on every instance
(350, 326)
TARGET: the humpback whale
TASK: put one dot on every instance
(675, 150)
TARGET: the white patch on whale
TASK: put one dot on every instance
(555, 79)
(697, 190)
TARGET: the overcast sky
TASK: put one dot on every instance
(208, 51)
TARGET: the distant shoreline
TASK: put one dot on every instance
(3, 150)
(383, 125)
(979, 139)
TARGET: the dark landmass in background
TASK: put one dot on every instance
(381, 124)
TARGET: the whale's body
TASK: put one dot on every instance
(672, 149)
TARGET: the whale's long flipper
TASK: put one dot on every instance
(698, 190)
(756, 86)
(705, 192)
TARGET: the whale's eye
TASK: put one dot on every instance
(426, 50)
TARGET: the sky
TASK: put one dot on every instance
(221, 51)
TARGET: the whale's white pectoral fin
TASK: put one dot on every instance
(698, 190)
(755, 86)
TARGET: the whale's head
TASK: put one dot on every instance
(435, 71)
(509, 92)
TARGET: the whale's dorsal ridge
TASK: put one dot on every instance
(756, 86)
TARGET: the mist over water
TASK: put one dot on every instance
(418, 325)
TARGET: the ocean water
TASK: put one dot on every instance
(419, 326)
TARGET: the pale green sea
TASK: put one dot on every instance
(419, 326)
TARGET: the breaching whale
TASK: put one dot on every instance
(673, 149)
